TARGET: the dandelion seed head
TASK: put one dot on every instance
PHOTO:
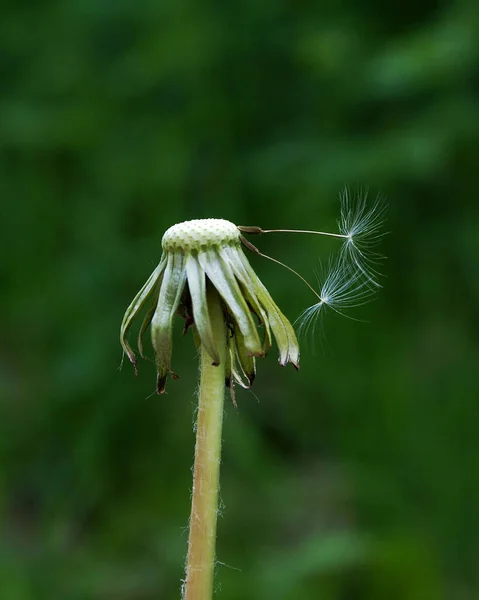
(200, 233)
(203, 257)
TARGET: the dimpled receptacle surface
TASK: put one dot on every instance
(199, 234)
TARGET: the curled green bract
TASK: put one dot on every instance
(198, 254)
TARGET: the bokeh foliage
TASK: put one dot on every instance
(357, 477)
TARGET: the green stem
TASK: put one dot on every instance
(204, 507)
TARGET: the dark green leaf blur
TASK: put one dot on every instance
(356, 478)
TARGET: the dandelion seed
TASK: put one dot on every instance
(361, 227)
(343, 288)
(351, 278)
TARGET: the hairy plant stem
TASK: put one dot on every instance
(204, 507)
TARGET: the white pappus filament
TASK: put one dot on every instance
(361, 225)
(352, 278)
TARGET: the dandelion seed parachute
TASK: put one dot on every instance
(343, 288)
(361, 225)
(353, 277)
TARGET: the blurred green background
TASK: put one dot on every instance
(356, 478)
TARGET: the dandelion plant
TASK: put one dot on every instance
(205, 278)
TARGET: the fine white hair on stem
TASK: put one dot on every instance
(343, 287)
(361, 225)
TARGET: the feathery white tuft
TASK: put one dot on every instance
(352, 278)
(361, 226)
(359, 220)
(344, 287)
